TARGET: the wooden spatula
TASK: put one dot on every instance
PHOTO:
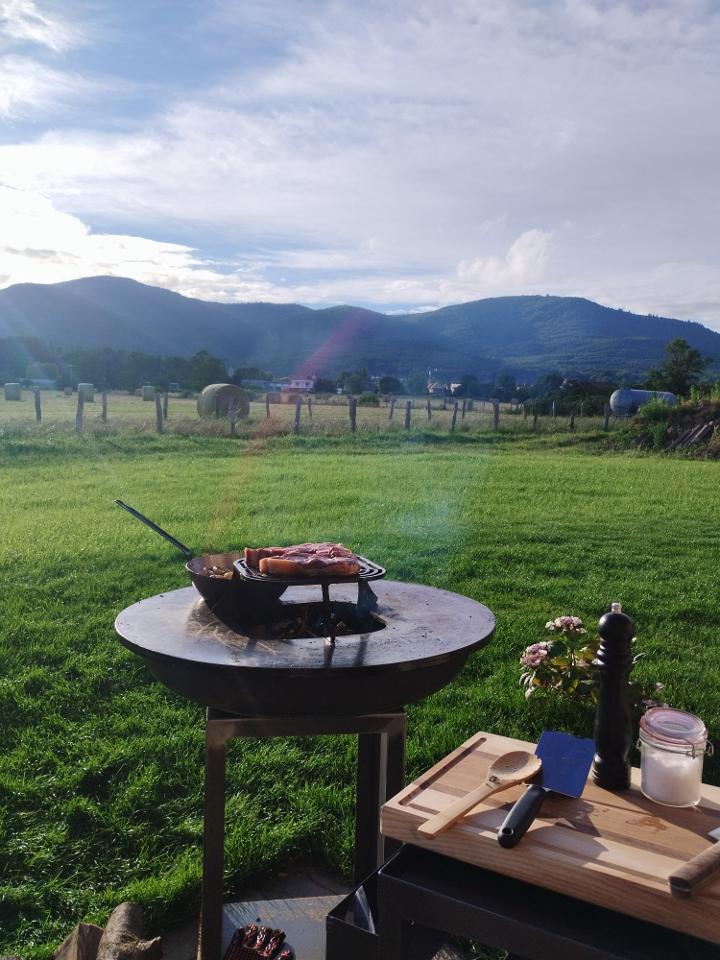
(507, 770)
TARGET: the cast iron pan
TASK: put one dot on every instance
(232, 594)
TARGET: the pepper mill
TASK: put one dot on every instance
(613, 720)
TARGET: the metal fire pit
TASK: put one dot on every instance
(425, 636)
(413, 641)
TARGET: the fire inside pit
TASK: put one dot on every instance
(288, 621)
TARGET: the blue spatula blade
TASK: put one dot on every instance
(566, 762)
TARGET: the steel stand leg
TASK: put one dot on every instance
(211, 910)
(381, 774)
(395, 779)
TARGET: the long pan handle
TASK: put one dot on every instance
(695, 873)
(153, 526)
(517, 822)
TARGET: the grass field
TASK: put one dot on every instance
(101, 768)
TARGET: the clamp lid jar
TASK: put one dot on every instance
(673, 744)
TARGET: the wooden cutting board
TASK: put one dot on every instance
(616, 850)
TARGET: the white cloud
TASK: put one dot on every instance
(22, 20)
(28, 88)
(524, 263)
(38, 240)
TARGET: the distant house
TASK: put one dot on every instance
(303, 384)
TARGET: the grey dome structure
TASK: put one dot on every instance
(625, 402)
(216, 398)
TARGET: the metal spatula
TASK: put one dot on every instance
(566, 762)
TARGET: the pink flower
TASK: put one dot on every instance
(566, 625)
(534, 655)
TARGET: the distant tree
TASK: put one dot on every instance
(17, 353)
(353, 382)
(324, 385)
(390, 385)
(417, 383)
(205, 369)
(249, 373)
(469, 386)
(505, 386)
(43, 371)
(682, 368)
(546, 386)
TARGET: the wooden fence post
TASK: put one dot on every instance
(408, 408)
(38, 411)
(310, 407)
(582, 404)
(572, 419)
(429, 409)
(165, 405)
(103, 406)
(352, 409)
(535, 414)
(392, 409)
(267, 404)
(79, 414)
(606, 422)
(496, 414)
(159, 416)
(298, 408)
(524, 409)
(553, 410)
(464, 408)
(454, 417)
(232, 416)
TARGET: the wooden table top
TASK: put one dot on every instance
(613, 849)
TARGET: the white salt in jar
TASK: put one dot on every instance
(672, 744)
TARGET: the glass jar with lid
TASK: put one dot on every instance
(673, 745)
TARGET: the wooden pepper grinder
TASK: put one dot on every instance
(613, 720)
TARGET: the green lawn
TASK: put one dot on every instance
(101, 767)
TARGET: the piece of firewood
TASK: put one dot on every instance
(122, 938)
(81, 944)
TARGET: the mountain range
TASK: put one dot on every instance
(524, 335)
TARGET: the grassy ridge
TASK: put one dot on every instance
(100, 773)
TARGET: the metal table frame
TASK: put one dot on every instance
(380, 775)
(419, 891)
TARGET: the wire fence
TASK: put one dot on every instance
(91, 411)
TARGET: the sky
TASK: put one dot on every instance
(394, 155)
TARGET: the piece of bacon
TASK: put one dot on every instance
(304, 559)
(291, 566)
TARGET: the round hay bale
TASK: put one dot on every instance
(216, 398)
(87, 390)
(13, 391)
(148, 392)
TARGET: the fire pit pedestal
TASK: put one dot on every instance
(258, 685)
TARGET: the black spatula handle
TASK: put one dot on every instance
(517, 822)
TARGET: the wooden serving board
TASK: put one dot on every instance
(616, 850)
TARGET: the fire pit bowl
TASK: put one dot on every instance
(232, 594)
(418, 640)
